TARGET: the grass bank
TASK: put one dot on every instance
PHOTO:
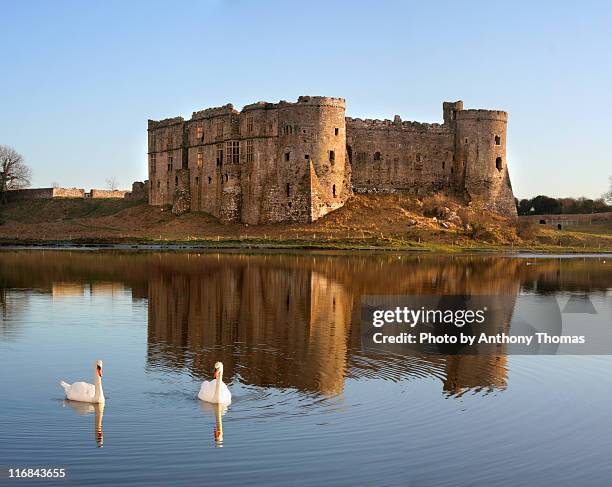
(367, 222)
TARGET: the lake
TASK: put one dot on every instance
(310, 404)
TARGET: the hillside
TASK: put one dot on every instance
(396, 221)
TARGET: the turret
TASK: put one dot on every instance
(450, 109)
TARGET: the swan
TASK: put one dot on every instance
(215, 391)
(84, 392)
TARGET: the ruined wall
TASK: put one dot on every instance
(108, 193)
(44, 193)
(29, 194)
(68, 193)
(140, 191)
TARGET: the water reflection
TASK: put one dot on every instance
(82, 409)
(219, 411)
(292, 321)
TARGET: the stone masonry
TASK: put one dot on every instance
(296, 162)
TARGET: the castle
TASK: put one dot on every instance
(296, 162)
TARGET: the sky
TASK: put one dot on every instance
(78, 80)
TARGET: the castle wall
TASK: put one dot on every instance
(394, 155)
(68, 193)
(44, 193)
(29, 194)
(108, 193)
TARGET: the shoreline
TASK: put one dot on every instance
(297, 245)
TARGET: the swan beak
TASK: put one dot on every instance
(215, 374)
(99, 371)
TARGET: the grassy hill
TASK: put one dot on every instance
(366, 221)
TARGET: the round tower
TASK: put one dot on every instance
(313, 153)
(480, 166)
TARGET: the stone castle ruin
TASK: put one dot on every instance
(296, 162)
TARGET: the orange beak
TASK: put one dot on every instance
(215, 374)
(99, 371)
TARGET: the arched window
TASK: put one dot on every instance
(499, 164)
(497, 140)
(377, 156)
(334, 190)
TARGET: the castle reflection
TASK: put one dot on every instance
(292, 321)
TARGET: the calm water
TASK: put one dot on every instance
(309, 405)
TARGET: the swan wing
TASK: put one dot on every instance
(225, 396)
(81, 391)
(207, 390)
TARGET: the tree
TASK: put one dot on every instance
(111, 183)
(14, 174)
(545, 205)
(524, 207)
(608, 196)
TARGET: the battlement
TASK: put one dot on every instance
(166, 122)
(215, 112)
(396, 124)
(480, 114)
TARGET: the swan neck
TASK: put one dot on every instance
(218, 384)
(99, 393)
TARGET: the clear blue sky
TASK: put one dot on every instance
(78, 80)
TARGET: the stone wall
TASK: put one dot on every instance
(29, 194)
(140, 191)
(394, 155)
(68, 193)
(108, 193)
(570, 219)
(44, 193)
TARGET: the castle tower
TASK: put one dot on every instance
(313, 167)
(480, 165)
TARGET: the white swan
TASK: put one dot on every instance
(84, 392)
(215, 391)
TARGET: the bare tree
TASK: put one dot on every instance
(55, 184)
(111, 183)
(608, 196)
(14, 174)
